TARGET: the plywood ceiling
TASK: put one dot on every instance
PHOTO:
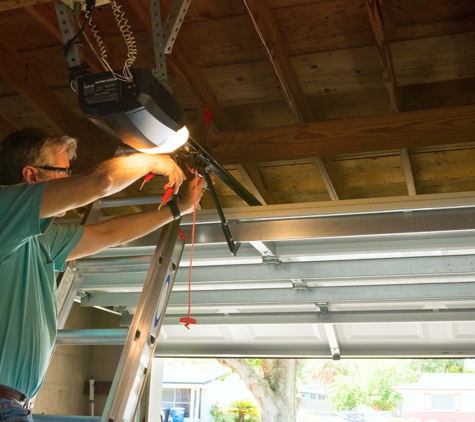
(311, 100)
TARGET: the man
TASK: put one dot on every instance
(34, 188)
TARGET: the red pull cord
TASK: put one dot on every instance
(188, 320)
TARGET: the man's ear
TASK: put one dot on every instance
(30, 174)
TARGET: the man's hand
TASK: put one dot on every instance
(166, 166)
(186, 205)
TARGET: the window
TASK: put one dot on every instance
(177, 397)
(442, 402)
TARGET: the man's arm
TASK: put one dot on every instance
(119, 230)
(61, 195)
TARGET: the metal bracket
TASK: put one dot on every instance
(158, 38)
(233, 247)
(267, 251)
(175, 17)
(270, 259)
(298, 284)
(68, 31)
(205, 160)
(323, 307)
(164, 38)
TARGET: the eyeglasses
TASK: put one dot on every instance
(60, 170)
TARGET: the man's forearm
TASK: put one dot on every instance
(122, 229)
(61, 195)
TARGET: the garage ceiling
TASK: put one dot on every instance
(351, 121)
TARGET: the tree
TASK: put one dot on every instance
(273, 383)
(246, 410)
(370, 382)
(320, 373)
(422, 366)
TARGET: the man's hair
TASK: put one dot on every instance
(31, 146)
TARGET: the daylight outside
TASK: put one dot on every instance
(315, 390)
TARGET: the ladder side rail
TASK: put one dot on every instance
(139, 348)
(70, 280)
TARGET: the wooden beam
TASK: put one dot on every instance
(331, 178)
(413, 129)
(15, 4)
(387, 15)
(376, 10)
(408, 172)
(269, 34)
(384, 53)
(5, 128)
(253, 177)
(187, 71)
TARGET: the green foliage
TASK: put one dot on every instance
(370, 382)
(422, 366)
(246, 410)
(235, 411)
(219, 413)
(319, 373)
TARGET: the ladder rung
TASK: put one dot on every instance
(92, 337)
(132, 200)
(65, 418)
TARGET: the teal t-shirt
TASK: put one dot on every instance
(30, 251)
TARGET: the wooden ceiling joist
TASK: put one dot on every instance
(377, 9)
(384, 53)
(16, 4)
(279, 59)
(254, 178)
(331, 178)
(408, 172)
(413, 129)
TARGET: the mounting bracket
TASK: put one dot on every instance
(164, 38)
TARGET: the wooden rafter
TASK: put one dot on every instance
(269, 34)
(254, 178)
(380, 11)
(331, 178)
(408, 172)
(16, 4)
(187, 71)
(387, 15)
(422, 128)
(384, 53)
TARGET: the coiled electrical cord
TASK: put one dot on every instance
(129, 39)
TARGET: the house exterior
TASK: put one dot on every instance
(440, 397)
(196, 391)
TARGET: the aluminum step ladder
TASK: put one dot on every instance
(141, 341)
